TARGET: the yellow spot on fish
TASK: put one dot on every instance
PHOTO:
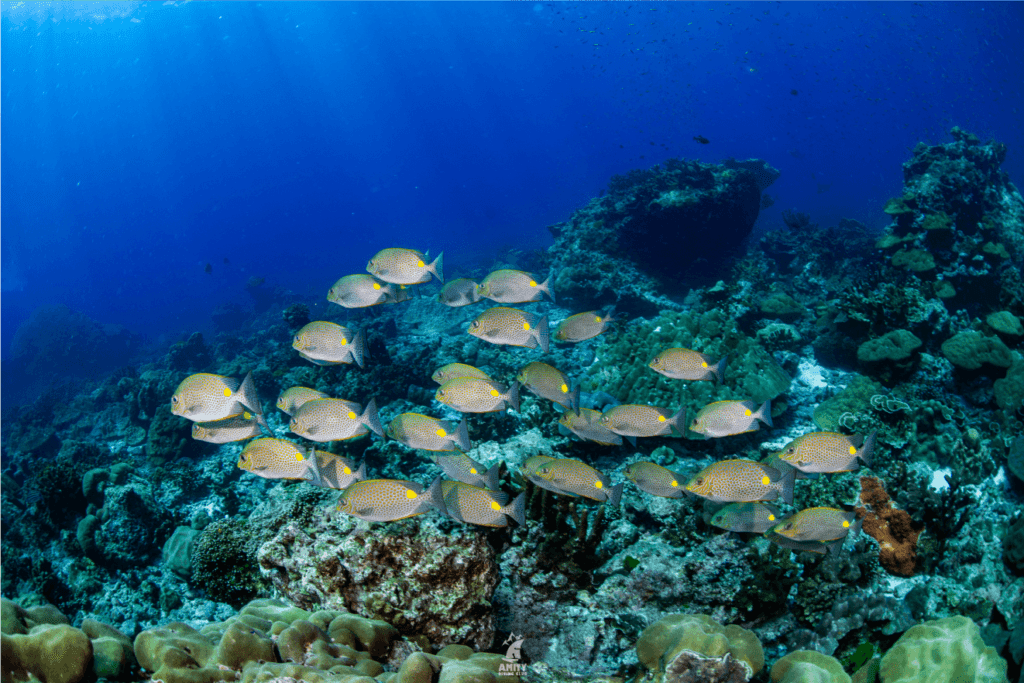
(661, 418)
(771, 518)
(597, 319)
(674, 483)
(533, 283)
(352, 415)
(344, 342)
(853, 451)
(564, 388)
(846, 525)
(472, 470)
(298, 457)
(704, 364)
(526, 326)
(765, 480)
(494, 505)
(420, 264)
(598, 485)
(348, 470)
(227, 392)
(409, 493)
(747, 412)
(247, 415)
(495, 393)
(441, 432)
(376, 285)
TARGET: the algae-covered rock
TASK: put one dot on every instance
(970, 350)
(855, 398)
(808, 666)
(944, 290)
(947, 650)
(1009, 390)
(696, 645)
(1005, 323)
(783, 306)
(915, 260)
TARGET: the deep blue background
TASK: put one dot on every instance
(141, 141)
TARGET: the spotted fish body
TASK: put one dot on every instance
(577, 478)
(513, 287)
(587, 425)
(818, 524)
(654, 479)
(529, 471)
(747, 517)
(331, 419)
(336, 471)
(207, 398)
(236, 428)
(550, 383)
(632, 420)
(452, 370)
(362, 290)
(474, 505)
(278, 459)
(727, 418)
(741, 481)
(463, 468)
(797, 546)
(511, 327)
(828, 452)
(688, 364)
(472, 395)
(459, 292)
(404, 266)
(292, 399)
(385, 500)
(326, 343)
(584, 326)
(429, 433)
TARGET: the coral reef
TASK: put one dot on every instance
(893, 529)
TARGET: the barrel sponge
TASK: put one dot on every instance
(682, 641)
(808, 666)
(948, 650)
(51, 653)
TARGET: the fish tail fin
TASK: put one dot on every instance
(764, 413)
(434, 497)
(358, 348)
(435, 267)
(517, 509)
(462, 435)
(866, 450)
(315, 475)
(546, 287)
(574, 399)
(678, 422)
(786, 483)
(835, 547)
(491, 477)
(631, 440)
(247, 395)
(512, 396)
(718, 369)
(609, 316)
(856, 527)
(615, 494)
(371, 419)
(360, 474)
(540, 332)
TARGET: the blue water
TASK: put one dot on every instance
(141, 141)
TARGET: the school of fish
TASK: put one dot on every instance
(227, 409)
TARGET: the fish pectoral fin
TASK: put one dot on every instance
(364, 511)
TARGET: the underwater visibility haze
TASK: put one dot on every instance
(421, 342)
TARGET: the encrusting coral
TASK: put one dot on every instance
(892, 528)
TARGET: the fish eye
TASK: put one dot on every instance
(790, 450)
(242, 457)
(698, 481)
(440, 392)
(174, 399)
(476, 324)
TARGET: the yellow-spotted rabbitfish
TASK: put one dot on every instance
(514, 287)
(511, 327)
(679, 363)
(584, 326)
(279, 459)
(404, 266)
(236, 428)
(747, 517)
(326, 343)
(472, 395)
(741, 481)
(825, 525)
(475, 505)
(632, 420)
(655, 479)
(550, 383)
(385, 500)
(828, 452)
(463, 468)
(459, 292)
(362, 290)
(727, 418)
(207, 398)
(449, 372)
(292, 399)
(336, 471)
(587, 425)
(575, 478)
(429, 433)
(331, 419)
